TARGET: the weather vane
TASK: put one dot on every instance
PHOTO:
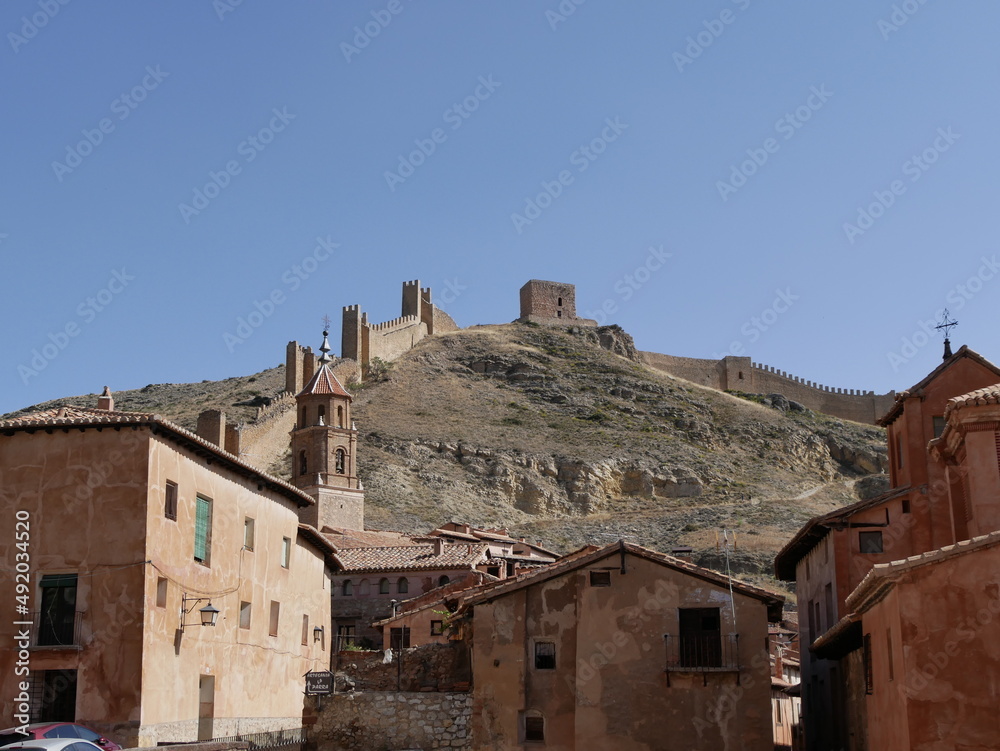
(326, 323)
(947, 324)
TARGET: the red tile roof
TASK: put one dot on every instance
(84, 417)
(343, 539)
(977, 398)
(409, 558)
(586, 556)
(324, 382)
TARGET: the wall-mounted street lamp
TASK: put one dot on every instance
(209, 613)
(318, 633)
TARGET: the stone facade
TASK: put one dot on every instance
(550, 302)
(366, 721)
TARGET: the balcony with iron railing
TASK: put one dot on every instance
(702, 653)
(59, 630)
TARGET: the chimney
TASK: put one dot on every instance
(438, 546)
(683, 552)
(106, 401)
(212, 427)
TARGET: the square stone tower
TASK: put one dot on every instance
(548, 302)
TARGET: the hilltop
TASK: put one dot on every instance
(564, 436)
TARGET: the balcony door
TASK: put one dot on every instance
(701, 638)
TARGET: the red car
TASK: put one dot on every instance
(56, 730)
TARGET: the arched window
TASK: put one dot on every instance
(340, 417)
(559, 301)
(443, 580)
(348, 588)
(341, 461)
(321, 415)
(364, 588)
(383, 587)
(303, 464)
(402, 586)
(302, 419)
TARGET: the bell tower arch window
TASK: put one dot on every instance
(341, 462)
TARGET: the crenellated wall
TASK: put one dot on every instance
(363, 341)
(742, 374)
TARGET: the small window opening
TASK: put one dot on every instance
(383, 587)
(545, 655)
(245, 608)
(402, 586)
(303, 464)
(534, 728)
(870, 542)
(170, 501)
(600, 578)
(347, 588)
(161, 592)
(906, 505)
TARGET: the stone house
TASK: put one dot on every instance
(135, 532)
(369, 581)
(621, 647)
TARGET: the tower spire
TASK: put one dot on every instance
(325, 346)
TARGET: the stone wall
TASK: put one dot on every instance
(362, 341)
(741, 374)
(385, 721)
(431, 667)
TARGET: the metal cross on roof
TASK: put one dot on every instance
(947, 324)
(326, 323)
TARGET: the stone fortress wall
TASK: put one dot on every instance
(554, 303)
(742, 374)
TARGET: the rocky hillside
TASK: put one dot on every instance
(563, 436)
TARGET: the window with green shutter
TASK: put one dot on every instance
(203, 530)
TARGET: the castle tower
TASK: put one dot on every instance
(324, 450)
(544, 302)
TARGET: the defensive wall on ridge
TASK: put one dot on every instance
(363, 341)
(554, 303)
(742, 374)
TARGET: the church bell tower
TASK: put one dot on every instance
(324, 450)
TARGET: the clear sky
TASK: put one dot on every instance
(806, 183)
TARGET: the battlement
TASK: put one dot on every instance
(395, 323)
(363, 341)
(810, 384)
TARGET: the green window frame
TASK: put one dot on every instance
(203, 530)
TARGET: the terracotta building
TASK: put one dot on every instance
(136, 531)
(621, 647)
(926, 509)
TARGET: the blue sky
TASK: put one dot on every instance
(806, 183)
